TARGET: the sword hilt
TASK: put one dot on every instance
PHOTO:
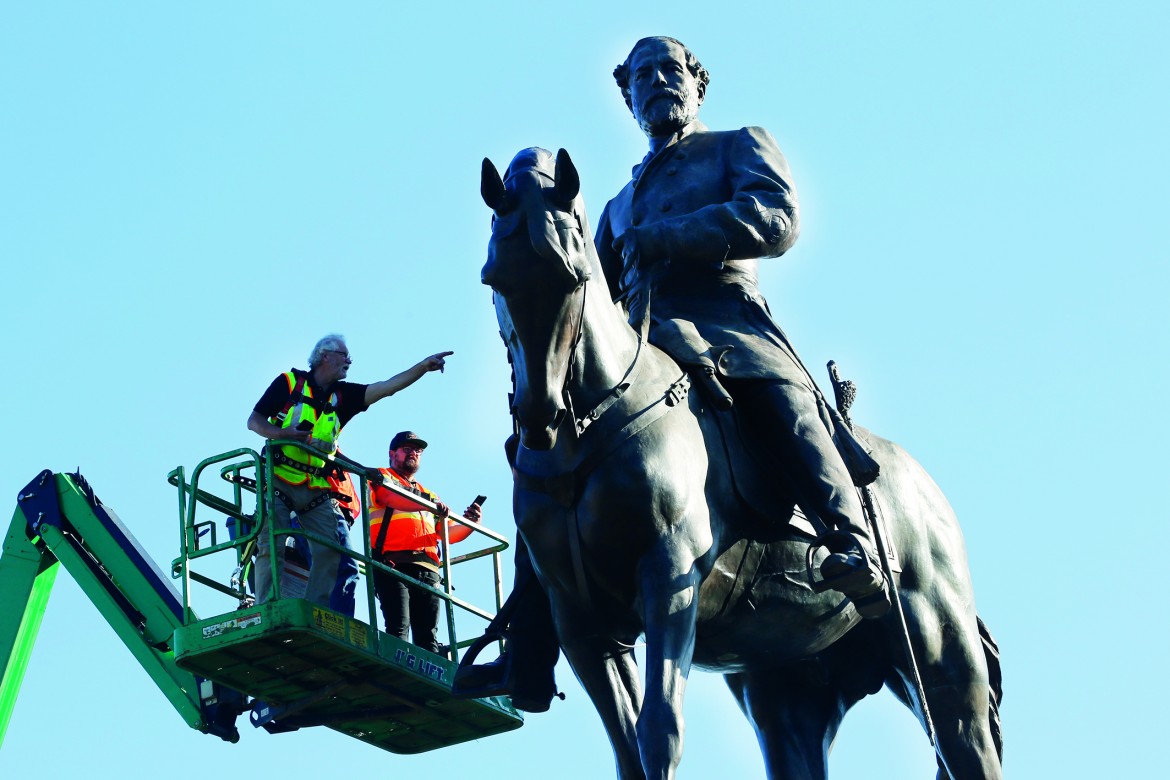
(844, 392)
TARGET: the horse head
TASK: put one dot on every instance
(538, 263)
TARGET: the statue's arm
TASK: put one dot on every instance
(760, 219)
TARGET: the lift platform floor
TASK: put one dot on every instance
(316, 667)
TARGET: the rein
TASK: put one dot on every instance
(564, 486)
(566, 397)
(616, 392)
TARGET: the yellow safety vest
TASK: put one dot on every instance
(303, 407)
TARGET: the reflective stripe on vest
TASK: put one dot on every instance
(325, 428)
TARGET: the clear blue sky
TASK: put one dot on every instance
(192, 194)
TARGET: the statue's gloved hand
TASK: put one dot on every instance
(626, 245)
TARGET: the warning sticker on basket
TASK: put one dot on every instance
(358, 635)
(234, 624)
(329, 622)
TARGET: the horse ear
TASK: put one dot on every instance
(568, 181)
(491, 187)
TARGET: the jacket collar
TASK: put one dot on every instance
(663, 151)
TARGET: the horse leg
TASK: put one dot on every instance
(795, 718)
(953, 658)
(611, 681)
(670, 597)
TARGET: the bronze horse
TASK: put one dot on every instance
(635, 523)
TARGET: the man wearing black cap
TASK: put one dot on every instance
(404, 537)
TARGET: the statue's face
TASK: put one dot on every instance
(664, 96)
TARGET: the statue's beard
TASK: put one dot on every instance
(668, 112)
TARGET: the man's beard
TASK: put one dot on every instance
(668, 112)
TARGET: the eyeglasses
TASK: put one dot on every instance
(411, 448)
(344, 355)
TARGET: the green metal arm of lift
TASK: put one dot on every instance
(59, 522)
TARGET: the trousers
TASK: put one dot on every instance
(322, 520)
(406, 609)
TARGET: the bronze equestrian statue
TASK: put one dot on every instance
(644, 509)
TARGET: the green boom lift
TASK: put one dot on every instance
(290, 662)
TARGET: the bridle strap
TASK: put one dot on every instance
(566, 397)
(581, 423)
(624, 384)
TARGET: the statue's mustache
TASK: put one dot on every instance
(674, 94)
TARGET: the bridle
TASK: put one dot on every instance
(582, 423)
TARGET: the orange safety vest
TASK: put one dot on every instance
(410, 529)
(345, 485)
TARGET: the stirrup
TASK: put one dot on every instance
(467, 663)
(501, 683)
(473, 650)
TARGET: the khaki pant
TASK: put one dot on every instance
(320, 521)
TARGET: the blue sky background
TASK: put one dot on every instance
(192, 194)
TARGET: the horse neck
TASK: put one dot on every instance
(608, 344)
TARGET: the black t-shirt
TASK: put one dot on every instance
(351, 397)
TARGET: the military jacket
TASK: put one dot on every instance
(703, 210)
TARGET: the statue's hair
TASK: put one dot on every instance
(621, 74)
(331, 341)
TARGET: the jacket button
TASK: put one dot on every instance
(666, 206)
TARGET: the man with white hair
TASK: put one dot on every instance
(312, 407)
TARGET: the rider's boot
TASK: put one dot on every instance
(852, 569)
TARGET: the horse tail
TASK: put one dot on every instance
(994, 683)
